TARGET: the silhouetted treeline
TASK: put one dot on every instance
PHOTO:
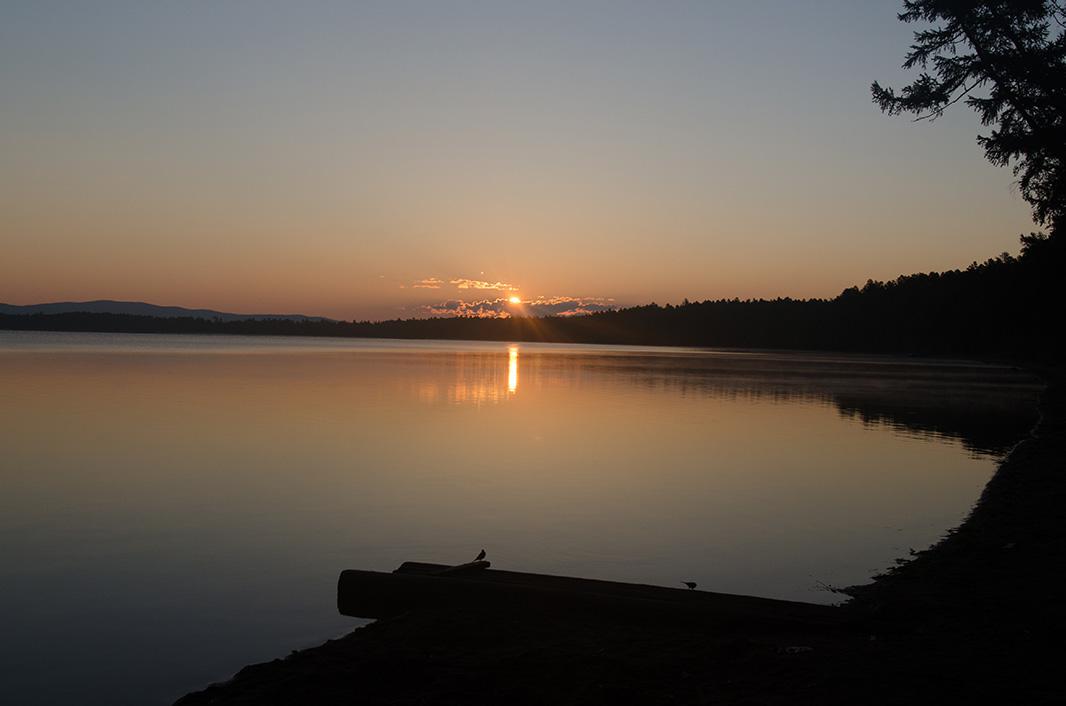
(1011, 306)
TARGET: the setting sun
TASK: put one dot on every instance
(514, 300)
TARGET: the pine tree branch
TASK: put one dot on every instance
(940, 111)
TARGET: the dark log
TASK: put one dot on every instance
(417, 586)
(452, 570)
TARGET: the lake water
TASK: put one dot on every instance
(175, 507)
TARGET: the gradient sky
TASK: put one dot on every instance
(326, 157)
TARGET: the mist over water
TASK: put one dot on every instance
(177, 507)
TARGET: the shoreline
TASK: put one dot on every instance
(972, 618)
(1008, 360)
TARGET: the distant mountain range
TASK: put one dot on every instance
(108, 306)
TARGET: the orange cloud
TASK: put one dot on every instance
(502, 307)
(463, 283)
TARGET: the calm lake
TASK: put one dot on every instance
(176, 507)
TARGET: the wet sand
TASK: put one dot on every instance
(978, 618)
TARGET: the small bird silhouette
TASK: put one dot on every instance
(480, 555)
(691, 584)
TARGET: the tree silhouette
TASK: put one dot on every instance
(1006, 307)
(1007, 60)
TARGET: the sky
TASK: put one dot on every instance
(375, 160)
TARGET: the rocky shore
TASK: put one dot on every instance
(978, 618)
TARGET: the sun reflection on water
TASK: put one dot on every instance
(512, 369)
(473, 379)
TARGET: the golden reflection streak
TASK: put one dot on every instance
(512, 369)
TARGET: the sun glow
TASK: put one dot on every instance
(514, 300)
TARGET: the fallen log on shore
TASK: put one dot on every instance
(475, 588)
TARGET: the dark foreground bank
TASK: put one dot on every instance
(979, 618)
